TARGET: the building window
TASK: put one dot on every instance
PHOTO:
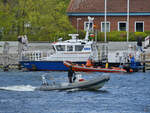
(86, 26)
(122, 26)
(103, 26)
(139, 26)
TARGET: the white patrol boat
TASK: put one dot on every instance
(74, 50)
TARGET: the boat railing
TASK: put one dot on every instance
(32, 55)
(69, 56)
(51, 56)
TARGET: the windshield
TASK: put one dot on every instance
(60, 47)
(69, 48)
(79, 47)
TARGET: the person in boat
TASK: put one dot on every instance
(89, 62)
(70, 74)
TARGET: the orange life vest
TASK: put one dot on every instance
(89, 63)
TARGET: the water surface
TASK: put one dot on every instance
(124, 93)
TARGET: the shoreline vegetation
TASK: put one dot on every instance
(46, 21)
(40, 20)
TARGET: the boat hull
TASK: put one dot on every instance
(93, 84)
(45, 65)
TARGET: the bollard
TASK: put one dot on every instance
(144, 63)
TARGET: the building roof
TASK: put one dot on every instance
(113, 6)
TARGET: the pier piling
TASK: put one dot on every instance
(144, 63)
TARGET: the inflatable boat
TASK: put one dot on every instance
(84, 68)
(93, 84)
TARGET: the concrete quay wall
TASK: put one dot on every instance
(13, 48)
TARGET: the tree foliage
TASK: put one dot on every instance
(41, 20)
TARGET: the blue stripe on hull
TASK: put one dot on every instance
(45, 65)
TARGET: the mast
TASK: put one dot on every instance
(88, 28)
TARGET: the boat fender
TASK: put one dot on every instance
(106, 66)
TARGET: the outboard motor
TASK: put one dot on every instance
(44, 82)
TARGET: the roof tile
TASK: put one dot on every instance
(97, 6)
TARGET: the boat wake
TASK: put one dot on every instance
(19, 88)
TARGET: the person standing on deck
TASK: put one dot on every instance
(139, 43)
(70, 74)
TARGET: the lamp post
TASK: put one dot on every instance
(78, 19)
(128, 9)
(105, 19)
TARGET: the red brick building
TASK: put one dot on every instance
(139, 11)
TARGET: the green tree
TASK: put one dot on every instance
(39, 19)
(6, 19)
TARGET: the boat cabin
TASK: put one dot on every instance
(73, 45)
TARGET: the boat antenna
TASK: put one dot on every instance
(88, 27)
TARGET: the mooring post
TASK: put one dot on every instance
(5, 56)
(20, 47)
(144, 62)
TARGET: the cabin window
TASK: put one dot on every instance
(122, 26)
(86, 26)
(139, 26)
(60, 47)
(103, 26)
(79, 47)
(69, 48)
